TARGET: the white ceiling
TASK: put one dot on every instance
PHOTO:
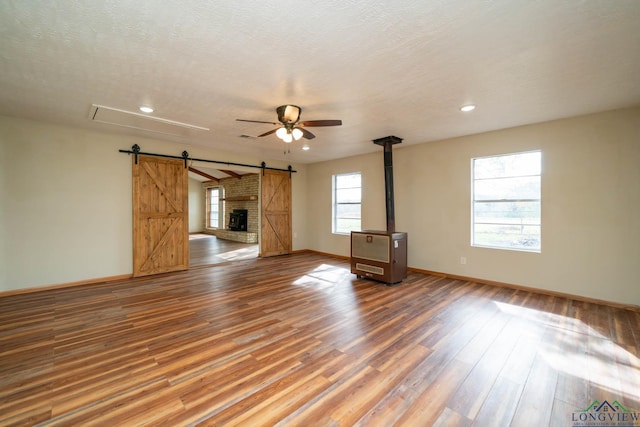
(395, 67)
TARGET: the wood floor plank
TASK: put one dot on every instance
(536, 400)
(429, 404)
(500, 404)
(450, 418)
(573, 378)
(499, 340)
(562, 413)
(299, 340)
(387, 409)
(627, 368)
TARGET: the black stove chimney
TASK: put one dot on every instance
(387, 142)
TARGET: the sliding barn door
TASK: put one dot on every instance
(275, 235)
(160, 216)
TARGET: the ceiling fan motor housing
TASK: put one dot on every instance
(288, 114)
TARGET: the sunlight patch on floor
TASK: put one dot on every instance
(243, 253)
(324, 276)
(582, 352)
(199, 236)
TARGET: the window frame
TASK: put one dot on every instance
(209, 190)
(335, 203)
(474, 181)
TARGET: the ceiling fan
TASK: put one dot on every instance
(292, 128)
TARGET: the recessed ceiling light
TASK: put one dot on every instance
(306, 147)
(467, 108)
(145, 109)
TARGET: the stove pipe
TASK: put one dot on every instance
(387, 142)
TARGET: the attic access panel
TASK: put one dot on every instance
(133, 120)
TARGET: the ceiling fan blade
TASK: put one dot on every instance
(256, 121)
(268, 133)
(306, 134)
(321, 123)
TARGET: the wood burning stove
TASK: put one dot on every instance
(382, 255)
(379, 255)
(238, 220)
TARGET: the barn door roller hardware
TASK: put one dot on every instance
(135, 150)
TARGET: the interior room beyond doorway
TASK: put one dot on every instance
(212, 239)
(205, 249)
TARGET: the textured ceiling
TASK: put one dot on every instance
(384, 67)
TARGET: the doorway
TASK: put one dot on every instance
(214, 196)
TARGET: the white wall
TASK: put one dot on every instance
(65, 202)
(319, 207)
(590, 205)
(196, 206)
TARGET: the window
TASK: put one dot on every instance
(347, 193)
(506, 201)
(213, 207)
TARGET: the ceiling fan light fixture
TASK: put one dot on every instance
(280, 133)
(288, 138)
(296, 133)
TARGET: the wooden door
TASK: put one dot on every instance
(160, 216)
(275, 234)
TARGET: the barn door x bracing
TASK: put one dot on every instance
(275, 237)
(160, 216)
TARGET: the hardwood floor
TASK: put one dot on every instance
(205, 249)
(297, 340)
